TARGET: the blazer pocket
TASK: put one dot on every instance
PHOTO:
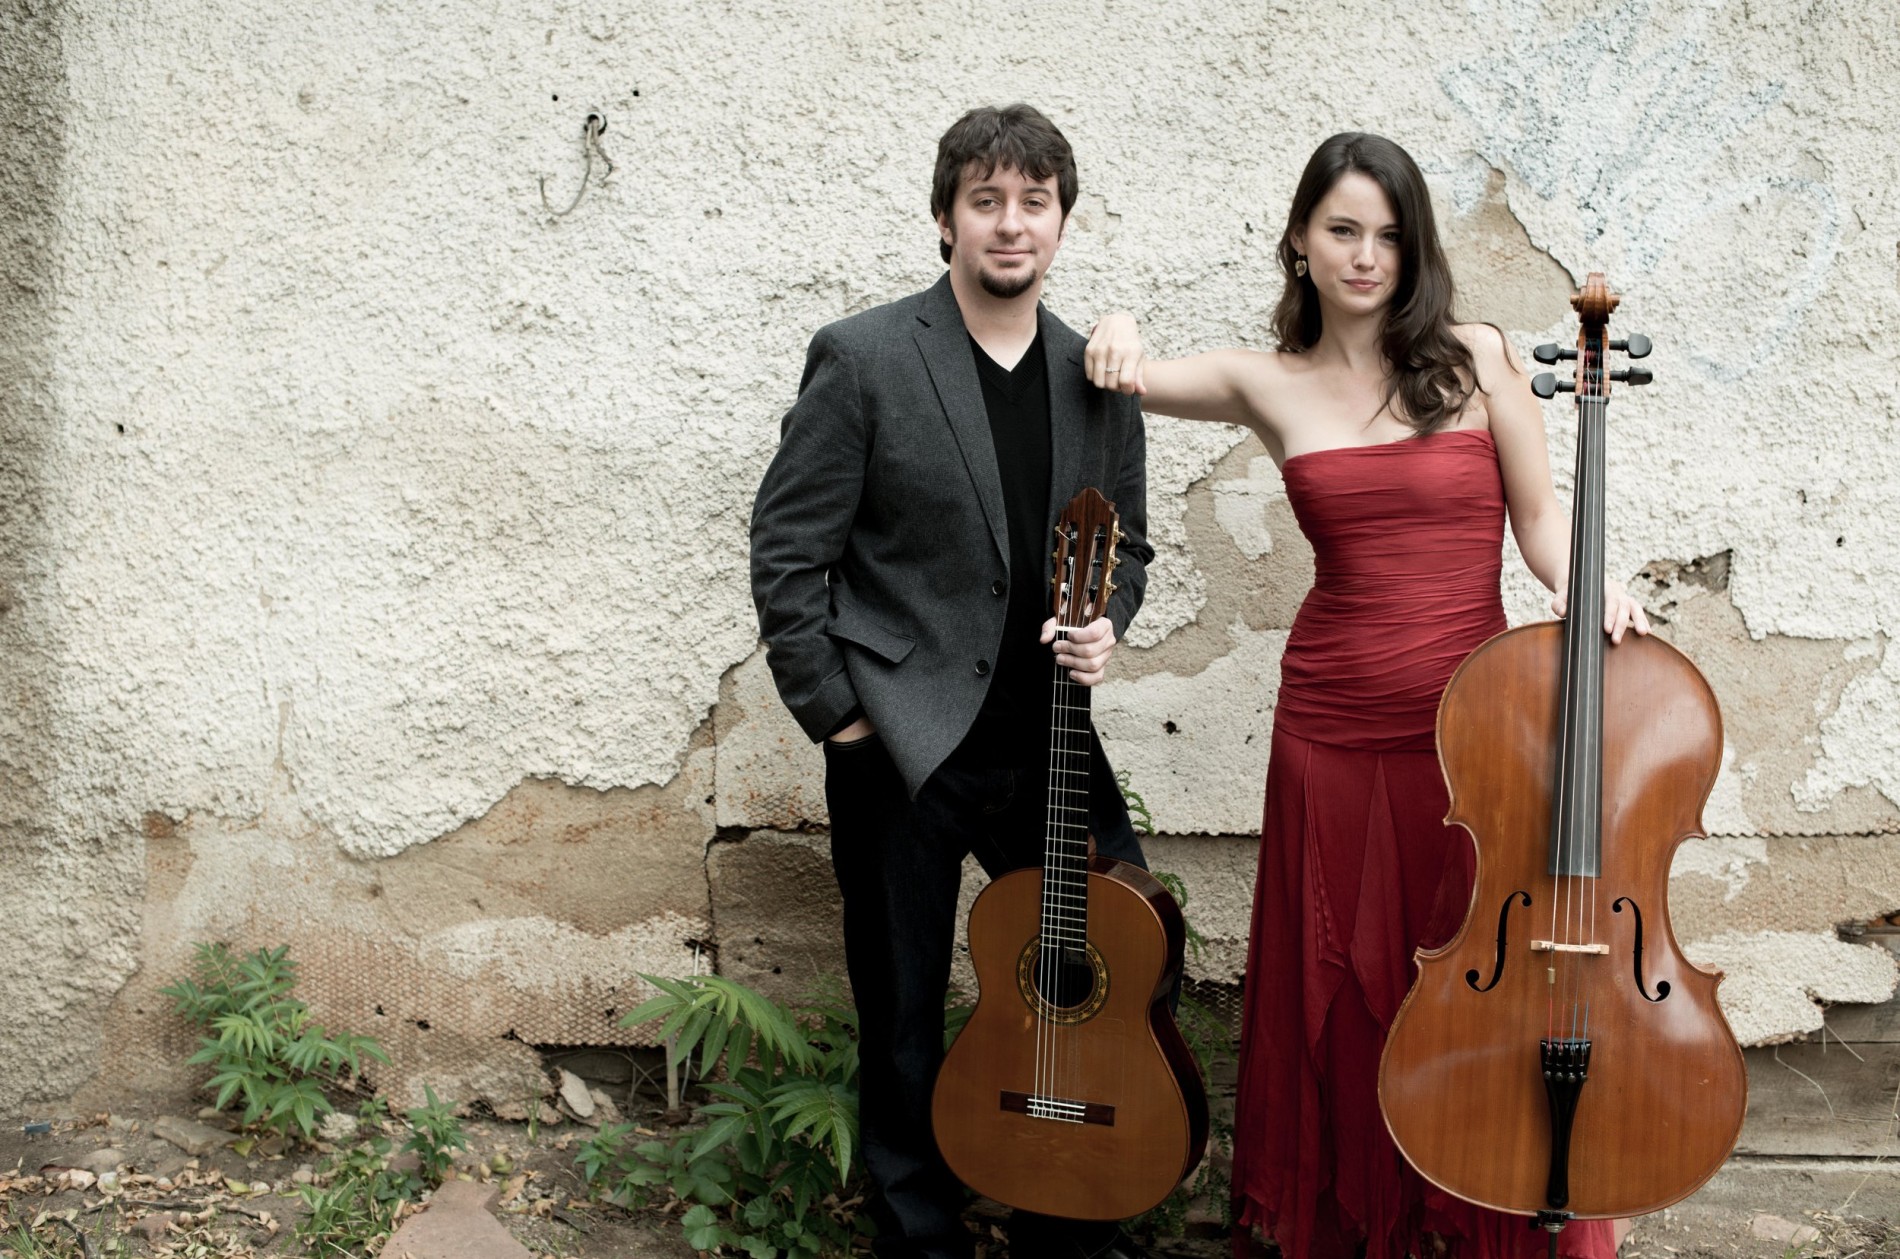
(852, 626)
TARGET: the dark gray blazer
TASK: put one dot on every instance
(879, 545)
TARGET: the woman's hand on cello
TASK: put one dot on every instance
(1621, 612)
(1114, 355)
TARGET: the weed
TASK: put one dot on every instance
(766, 1171)
(434, 1135)
(357, 1209)
(262, 1045)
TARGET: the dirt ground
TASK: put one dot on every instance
(237, 1206)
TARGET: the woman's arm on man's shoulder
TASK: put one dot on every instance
(1212, 386)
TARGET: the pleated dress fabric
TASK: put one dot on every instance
(1357, 868)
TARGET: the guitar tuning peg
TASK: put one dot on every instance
(1551, 352)
(1112, 588)
(1633, 375)
(1636, 347)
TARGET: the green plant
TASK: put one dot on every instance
(434, 1135)
(1138, 815)
(767, 1168)
(263, 1047)
(357, 1209)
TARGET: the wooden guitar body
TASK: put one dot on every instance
(1666, 1086)
(1142, 1124)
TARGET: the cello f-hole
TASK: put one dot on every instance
(1497, 969)
(1662, 985)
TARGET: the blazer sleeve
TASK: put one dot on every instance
(800, 521)
(1131, 505)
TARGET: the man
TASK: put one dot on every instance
(901, 556)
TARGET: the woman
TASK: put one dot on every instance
(1404, 438)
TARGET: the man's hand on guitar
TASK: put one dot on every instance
(1084, 651)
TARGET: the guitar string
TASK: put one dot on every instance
(1045, 945)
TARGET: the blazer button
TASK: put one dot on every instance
(982, 667)
(997, 587)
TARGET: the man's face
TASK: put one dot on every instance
(1003, 229)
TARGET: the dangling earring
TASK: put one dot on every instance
(1299, 265)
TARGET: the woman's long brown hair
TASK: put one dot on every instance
(1432, 375)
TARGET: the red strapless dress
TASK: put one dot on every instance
(1357, 867)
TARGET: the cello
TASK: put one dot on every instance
(1560, 1057)
(1070, 1091)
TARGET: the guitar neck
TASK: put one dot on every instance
(1065, 905)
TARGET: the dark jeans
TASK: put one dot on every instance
(899, 864)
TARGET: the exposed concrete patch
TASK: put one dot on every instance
(529, 925)
(1782, 883)
(1218, 876)
(1503, 277)
(1248, 545)
(770, 776)
(1778, 695)
(1774, 979)
(1860, 739)
(1196, 747)
(1726, 859)
(776, 902)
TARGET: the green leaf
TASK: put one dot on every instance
(702, 1228)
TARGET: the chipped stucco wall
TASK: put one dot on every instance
(366, 527)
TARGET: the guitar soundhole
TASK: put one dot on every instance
(1065, 985)
(1064, 977)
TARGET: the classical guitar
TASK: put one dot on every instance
(1561, 1057)
(1070, 1091)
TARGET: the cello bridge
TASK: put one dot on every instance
(1557, 946)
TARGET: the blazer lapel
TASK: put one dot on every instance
(1068, 414)
(945, 344)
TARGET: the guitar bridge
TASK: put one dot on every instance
(1061, 1109)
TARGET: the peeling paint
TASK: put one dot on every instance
(355, 516)
(1774, 979)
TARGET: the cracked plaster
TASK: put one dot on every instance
(330, 457)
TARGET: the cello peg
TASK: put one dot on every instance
(1545, 385)
(1551, 352)
(1636, 347)
(1634, 375)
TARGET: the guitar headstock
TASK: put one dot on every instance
(1086, 535)
(1593, 306)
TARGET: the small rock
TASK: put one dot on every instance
(153, 1227)
(1775, 1229)
(405, 1161)
(109, 1182)
(216, 1118)
(338, 1127)
(304, 1175)
(604, 1109)
(106, 1160)
(192, 1138)
(119, 1123)
(574, 1093)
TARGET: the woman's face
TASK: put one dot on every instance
(1351, 243)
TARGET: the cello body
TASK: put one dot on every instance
(1560, 1057)
(1666, 1088)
